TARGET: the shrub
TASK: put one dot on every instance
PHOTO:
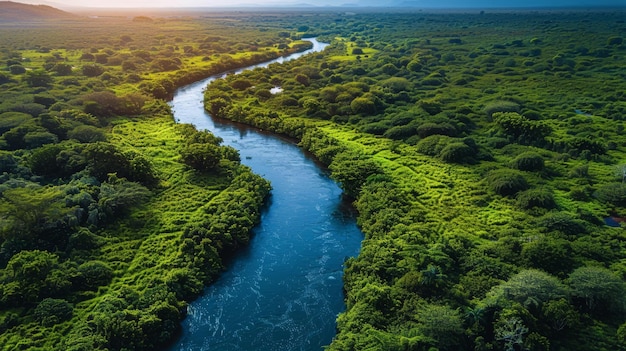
(202, 157)
(396, 84)
(563, 222)
(17, 69)
(43, 161)
(92, 70)
(615, 41)
(457, 152)
(38, 138)
(400, 132)
(429, 128)
(87, 134)
(539, 197)
(94, 274)
(433, 144)
(612, 193)
(506, 182)
(363, 105)
(520, 128)
(9, 120)
(529, 161)
(501, 106)
(52, 311)
(431, 106)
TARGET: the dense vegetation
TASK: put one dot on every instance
(113, 217)
(484, 152)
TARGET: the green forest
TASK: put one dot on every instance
(485, 153)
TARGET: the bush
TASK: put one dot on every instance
(92, 70)
(362, 105)
(613, 193)
(43, 161)
(9, 120)
(87, 134)
(17, 69)
(501, 106)
(400, 132)
(433, 144)
(94, 274)
(53, 311)
(529, 161)
(202, 157)
(563, 222)
(457, 152)
(429, 128)
(539, 197)
(521, 129)
(506, 182)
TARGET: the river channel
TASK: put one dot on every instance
(284, 291)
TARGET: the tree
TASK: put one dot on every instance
(52, 311)
(560, 314)
(506, 182)
(511, 332)
(38, 78)
(363, 105)
(202, 157)
(529, 161)
(33, 209)
(63, 69)
(352, 170)
(17, 69)
(441, 323)
(554, 256)
(531, 287)
(37, 274)
(92, 70)
(520, 128)
(600, 289)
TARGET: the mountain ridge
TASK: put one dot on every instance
(18, 12)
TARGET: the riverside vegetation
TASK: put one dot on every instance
(483, 152)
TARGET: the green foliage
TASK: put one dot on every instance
(118, 196)
(520, 129)
(436, 239)
(536, 198)
(554, 256)
(442, 324)
(87, 134)
(92, 70)
(506, 182)
(352, 171)
(93, 274)
(203, 157)
(612, 193)
(52, 311)
(529, 161)
(457, 152)
(38, 78)
(531, 288)
(600, 290)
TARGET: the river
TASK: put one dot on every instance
(284, 291)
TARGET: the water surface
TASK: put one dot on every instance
(284, 291)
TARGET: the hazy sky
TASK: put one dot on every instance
(419, 3)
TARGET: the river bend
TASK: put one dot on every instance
(283, 292)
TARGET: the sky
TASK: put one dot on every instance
(387, 3)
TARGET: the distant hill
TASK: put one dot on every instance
(17, 12)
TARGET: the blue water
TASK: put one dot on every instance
(284, 291)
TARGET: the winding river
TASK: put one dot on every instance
(284, 291)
